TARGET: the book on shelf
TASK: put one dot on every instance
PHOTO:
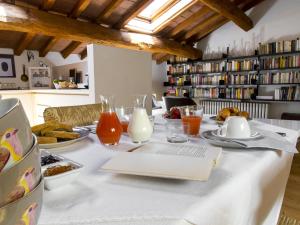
(280, 62)
(279, 47)
(239, 79)
(242, 65)
(286, 93)
(292, 77)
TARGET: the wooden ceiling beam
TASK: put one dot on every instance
(47, 4)
(24, 43)
(221, 21)
(83, 54)
(79, 7)
(210, 20)
(138, 7)
(109, 9)
(230, 11)
(162, 58)
(70, 48)
(47, 48)
(186, 23)
(32, 20)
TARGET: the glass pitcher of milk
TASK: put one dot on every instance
(140, 128)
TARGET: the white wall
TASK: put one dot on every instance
(19, 61)
(57, 59)
(159, 75)
(273, 20)
(119, 72)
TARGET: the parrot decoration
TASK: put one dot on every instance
(29, 216)
(24, 186)
(27, 181)
(11, 149)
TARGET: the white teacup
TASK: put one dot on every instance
(235, 127)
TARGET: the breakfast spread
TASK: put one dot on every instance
(231, 111)
(53, 132)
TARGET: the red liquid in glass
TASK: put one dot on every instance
(109, 128)
(125, 126)
(192, 124)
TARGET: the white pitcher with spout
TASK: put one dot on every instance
(140, 128)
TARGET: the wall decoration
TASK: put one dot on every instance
(39, 77)
(7, 66)
(30, 56)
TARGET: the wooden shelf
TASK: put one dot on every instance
(280, 69)
(278, 54)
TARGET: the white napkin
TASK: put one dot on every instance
(270, 140)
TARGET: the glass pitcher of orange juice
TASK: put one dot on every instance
(109, 128)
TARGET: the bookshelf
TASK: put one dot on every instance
(273, 70)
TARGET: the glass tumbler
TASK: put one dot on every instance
(175, 131)
(191, 117)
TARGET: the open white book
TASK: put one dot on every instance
(178, 161)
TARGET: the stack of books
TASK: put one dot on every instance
(206, 92)
(239, 93)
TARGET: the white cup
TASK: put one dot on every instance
(235, 127)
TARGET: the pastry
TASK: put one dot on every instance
(224, 113)
(62, 134)
(244, 114)
(56, 127)
(47, 140)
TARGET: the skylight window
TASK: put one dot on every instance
(156, 14)
(153, 8)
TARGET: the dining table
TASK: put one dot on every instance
(246, 188)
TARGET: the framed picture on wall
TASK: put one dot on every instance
(39, 77)
(7, 66)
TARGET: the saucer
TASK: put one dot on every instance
(254, 135)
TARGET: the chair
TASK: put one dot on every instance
(171, 101)
(290, 116)
(81, 115)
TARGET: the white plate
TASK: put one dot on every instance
(253, 135)
(84, 133)
(218, 142)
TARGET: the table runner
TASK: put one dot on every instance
(246, 188)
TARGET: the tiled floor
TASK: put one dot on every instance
(290, 213)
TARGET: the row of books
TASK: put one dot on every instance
(279, 47)
(280, 62)
(280, 78)
(209, 80)
(236, 79)
(175, 59)
(178, 91)
(179, 80)
(196, 68)
(240, 93)
(287, 93)
(205, 92)
(242, 65)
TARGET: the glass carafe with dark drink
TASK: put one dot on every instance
(109, 128)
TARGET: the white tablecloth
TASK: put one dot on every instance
(247, 188)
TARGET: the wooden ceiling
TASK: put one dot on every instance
(107, 18)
